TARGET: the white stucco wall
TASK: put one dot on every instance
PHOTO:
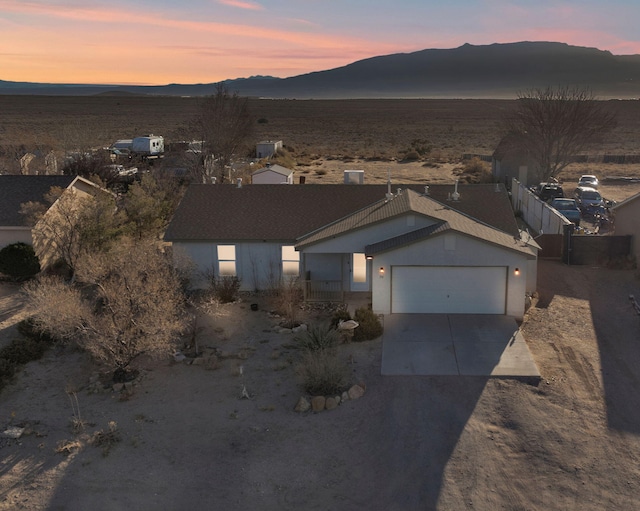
(258, 265)
(270, 177)
(451, 249)
(10, 235)
(626, 222)
(355, 241)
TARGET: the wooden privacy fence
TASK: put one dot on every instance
(595, 250)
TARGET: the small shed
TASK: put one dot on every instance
(272, 175)
(354, 177)
(268, 148)
(626, 217)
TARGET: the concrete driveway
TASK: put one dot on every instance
(455, 344)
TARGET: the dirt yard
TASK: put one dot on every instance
(188, 440)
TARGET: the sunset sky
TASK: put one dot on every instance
(203, 41)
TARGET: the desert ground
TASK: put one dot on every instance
(189, 440)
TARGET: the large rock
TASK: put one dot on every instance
(318, 403)
(356, 392)
(302, 406)
(331, 403)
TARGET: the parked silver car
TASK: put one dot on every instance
(588, 180)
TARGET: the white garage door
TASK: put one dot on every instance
(449, 289)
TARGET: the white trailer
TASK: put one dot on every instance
(150, 146)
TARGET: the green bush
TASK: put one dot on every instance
(369, 325)
(323, 373)
(18, 260)
(318, 338)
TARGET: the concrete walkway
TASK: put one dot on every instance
(455, 344)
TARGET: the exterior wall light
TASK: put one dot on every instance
(381, 271)
(516, 272)
(369, 257)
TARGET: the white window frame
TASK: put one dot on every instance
(290, 259)
(226, 260)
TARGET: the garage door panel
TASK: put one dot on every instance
(449, 290)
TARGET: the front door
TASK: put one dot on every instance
(360, 272)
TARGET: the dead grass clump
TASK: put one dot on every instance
(67, 447)
(323, 373)
(107, 439)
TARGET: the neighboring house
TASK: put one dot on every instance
(510, 160)
(272, 175)
(407, 251)
(53, 234)
(626, 215)
(16, 190)
(268, 148)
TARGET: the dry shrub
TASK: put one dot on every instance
(369, 327)
(318, 338)
(107, 438)
(323, 373)
(476, 171)
(225, 289)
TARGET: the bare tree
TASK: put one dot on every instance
(225, 125)
(70, 224)
(553, 125)
(125, 303)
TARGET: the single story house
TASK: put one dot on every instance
(437, 249)
(16, 190)
(268, 148)
(626, 214)
(272, 175)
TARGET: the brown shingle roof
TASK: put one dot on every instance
(17, 189)
(412, 202)
(281, 213)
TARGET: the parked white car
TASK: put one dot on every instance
(589, 180)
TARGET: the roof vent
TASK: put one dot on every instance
(239, 181)
(389, 196)
(455, 195)
(399, 192)
(426, 189)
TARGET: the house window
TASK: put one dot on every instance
(227, 260)
(290, 261)
(359, 265)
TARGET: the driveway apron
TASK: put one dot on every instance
(455, 344)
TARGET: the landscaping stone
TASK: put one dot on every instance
(117, 387)
(356, 392)
(338, 399)
(302, 406)
(318, 403)
(331, 403)
(345, 396)
(13, 432)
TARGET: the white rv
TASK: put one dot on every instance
(151, 146)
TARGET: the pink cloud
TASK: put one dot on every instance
(252, 6)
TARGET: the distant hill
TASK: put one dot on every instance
(496, 70)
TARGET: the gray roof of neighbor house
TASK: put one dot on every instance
(409, 202)
(17, 189)
(286, 213)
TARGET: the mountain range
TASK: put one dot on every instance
(495, 70)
